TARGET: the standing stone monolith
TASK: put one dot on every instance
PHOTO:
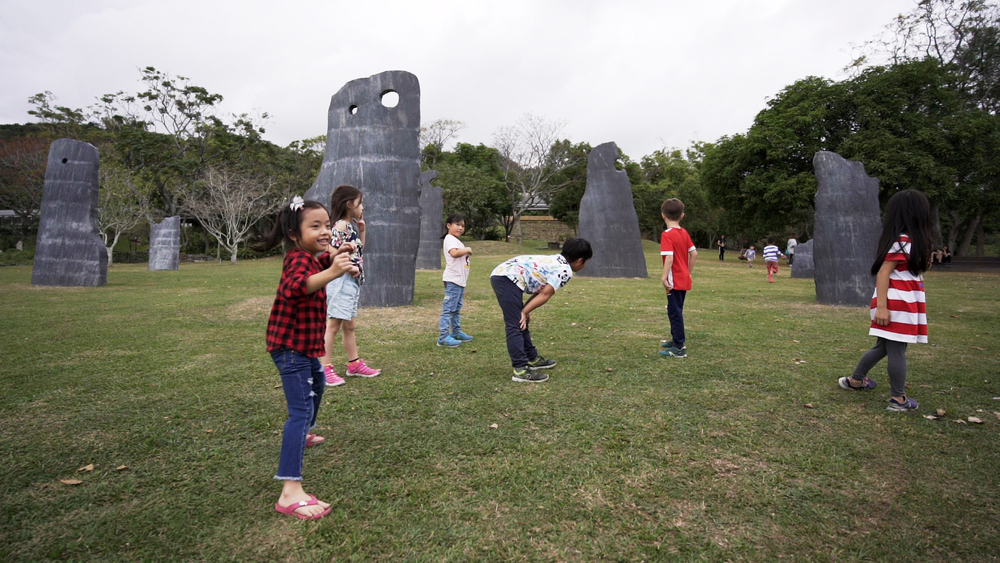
(69, 250)
(802, 266)
(376, 148)
(165, 244)
(431, 218)
(608, 219)
(847, 227)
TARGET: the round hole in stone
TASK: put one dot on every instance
(390, 98)
(65, 160)
(353, 109)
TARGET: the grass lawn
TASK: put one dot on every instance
(745, 450)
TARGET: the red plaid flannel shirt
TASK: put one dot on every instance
(298, 320)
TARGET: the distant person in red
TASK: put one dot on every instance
(679, 254)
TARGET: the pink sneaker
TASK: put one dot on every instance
(332, 379)
(358, 368)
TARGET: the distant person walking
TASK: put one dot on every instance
(771, 254)
(721, 243)
(790, 249)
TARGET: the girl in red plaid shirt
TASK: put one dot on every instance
(295, 338)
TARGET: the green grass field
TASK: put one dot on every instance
(745, 450)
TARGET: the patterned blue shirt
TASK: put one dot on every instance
(530, 273)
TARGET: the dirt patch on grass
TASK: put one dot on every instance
(250, 309)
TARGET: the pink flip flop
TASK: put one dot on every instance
(314, 440)
(290, 510)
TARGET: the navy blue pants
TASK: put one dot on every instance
(511, 300)
(675, 312)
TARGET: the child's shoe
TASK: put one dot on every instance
(670, 344)
(908, 404)
(332, 379)
(845, 383)
(461, 337)
(674, 352)
(526, 375)
(449, 341)
(541, 363)
(357, 368)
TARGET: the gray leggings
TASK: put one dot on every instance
(897, 364)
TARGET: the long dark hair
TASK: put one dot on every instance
(451, 220)
(288, 222)
(908, 212)
(342, 196)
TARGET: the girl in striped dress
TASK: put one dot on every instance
(898, 306)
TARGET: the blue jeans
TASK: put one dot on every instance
(453, 301)
(510, 297)
(303, 382)
(675, 312)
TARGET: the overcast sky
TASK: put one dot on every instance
(645, 74)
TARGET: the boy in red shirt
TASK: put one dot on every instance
(679, 254)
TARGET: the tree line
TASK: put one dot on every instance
(919, 110)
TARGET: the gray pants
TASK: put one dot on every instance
(897, 364)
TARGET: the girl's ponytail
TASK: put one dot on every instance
(908, 212)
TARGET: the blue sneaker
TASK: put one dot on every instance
(461, 337)
(907, 405)
(448, 341)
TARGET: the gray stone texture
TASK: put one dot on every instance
(69, 250)
(608, 219)
(165, 244)
(376, 148)
(802, 266)
(847, 227)
(431, 222)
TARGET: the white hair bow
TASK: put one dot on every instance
(297, 203)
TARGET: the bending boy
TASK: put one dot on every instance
(540, 277)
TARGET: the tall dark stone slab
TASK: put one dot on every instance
(803, 266)
(377, 149)
(608, 219)
(165, 244)
(431, 220)
(847, 228)
(69, 250)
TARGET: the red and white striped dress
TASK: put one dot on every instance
(906, 300)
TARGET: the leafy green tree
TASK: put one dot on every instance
(565, 203)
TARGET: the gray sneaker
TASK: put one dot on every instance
(526, 375)
(541, 363)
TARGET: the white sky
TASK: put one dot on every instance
(646, 74)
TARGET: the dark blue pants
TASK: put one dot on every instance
(303, 381)
(511, 300)
(675, 312)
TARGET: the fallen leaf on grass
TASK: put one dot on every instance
(975, 420)
(959, 421)
(941, 412)
(997, 414)
(86, 468)
(121, 468)
(610, 370)
(796, 341)
(278, 386)
(474, 351)
(494, 426)
(208, 431)
(930, 417)
(70, 481)
(977, 348)
(797, 361)
(809, 406)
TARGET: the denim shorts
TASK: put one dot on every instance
(342, 296)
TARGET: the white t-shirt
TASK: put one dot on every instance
(456, 270)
